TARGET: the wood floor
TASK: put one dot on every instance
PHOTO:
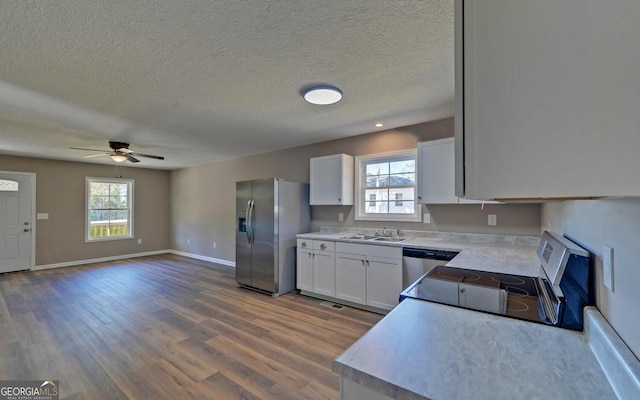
(169, 327)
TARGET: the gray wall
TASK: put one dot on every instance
(615, 223)
(203, 197)
(60, 192)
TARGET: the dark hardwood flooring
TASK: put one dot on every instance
(169, 327)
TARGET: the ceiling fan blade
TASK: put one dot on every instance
(131, 158)
(96, 155)
(80, 148)
(146, 155)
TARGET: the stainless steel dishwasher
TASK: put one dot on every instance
(417, 262)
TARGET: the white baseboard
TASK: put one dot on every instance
(121, 257)
(97, 260)
(204, 258)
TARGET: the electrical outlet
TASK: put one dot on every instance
(188, 240)
(139, 241)
(214, 245)
(426, 218)
(493, 220)
(607, 266)
(341, 217)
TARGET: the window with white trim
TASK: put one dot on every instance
(109, 212)
(386, 187)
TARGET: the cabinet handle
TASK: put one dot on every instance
(323, 246)
(362, 262)
(303, 244)
(367, 262)
(310, 255)
(339, 199)
(419, 197)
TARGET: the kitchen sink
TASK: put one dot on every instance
(375, 238)
(359, 237)
(389, 239)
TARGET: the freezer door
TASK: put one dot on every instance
(263, 227)
(243, 245)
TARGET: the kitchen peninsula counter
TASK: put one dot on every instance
(425, 350)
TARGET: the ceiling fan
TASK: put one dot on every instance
(119, 153)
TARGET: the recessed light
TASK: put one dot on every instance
(379, 125)
(323, 95)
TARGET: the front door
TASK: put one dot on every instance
(16, 229)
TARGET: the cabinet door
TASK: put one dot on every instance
(384, 282)
(441, 291)
(550, 98)
(331, 180)
(351, 275)
(324, 273)
(481, 298)
(436, 170)
(304, 269)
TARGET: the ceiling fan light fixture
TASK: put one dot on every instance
(118, 157)
(323, 95)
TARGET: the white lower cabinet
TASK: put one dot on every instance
(370, 275)
(351, 278)
(324, 273)
(316, 267)
(384, 282)
(304, 266)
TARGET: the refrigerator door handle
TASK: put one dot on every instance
(249, 221)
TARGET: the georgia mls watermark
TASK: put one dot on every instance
(29, 390)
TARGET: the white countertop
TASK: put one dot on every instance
(425, 350)
(508, 254)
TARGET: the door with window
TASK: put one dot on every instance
(16, 219)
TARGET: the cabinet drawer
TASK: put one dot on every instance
(324, 245)
(305, 244)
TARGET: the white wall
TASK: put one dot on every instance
(615, 223)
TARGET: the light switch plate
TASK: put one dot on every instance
(42, 216)
(341, 217)
(426, 218)
(607, 266)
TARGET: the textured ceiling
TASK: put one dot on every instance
(201, 81)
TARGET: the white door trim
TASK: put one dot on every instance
(32, 179)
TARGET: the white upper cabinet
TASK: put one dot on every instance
(331, 180)
(436, 172)
(547, 98)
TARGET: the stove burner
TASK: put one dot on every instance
(509, 279)
(516, 291)
(516, 305)
(467, 276)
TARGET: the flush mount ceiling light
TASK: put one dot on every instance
(118, 157)
(323, 95)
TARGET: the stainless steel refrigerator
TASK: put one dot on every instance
(269, 214)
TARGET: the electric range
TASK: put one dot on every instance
(555, 297)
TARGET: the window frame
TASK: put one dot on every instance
(360, 186)
(130, 209)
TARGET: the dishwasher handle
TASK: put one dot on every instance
(444, 255)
